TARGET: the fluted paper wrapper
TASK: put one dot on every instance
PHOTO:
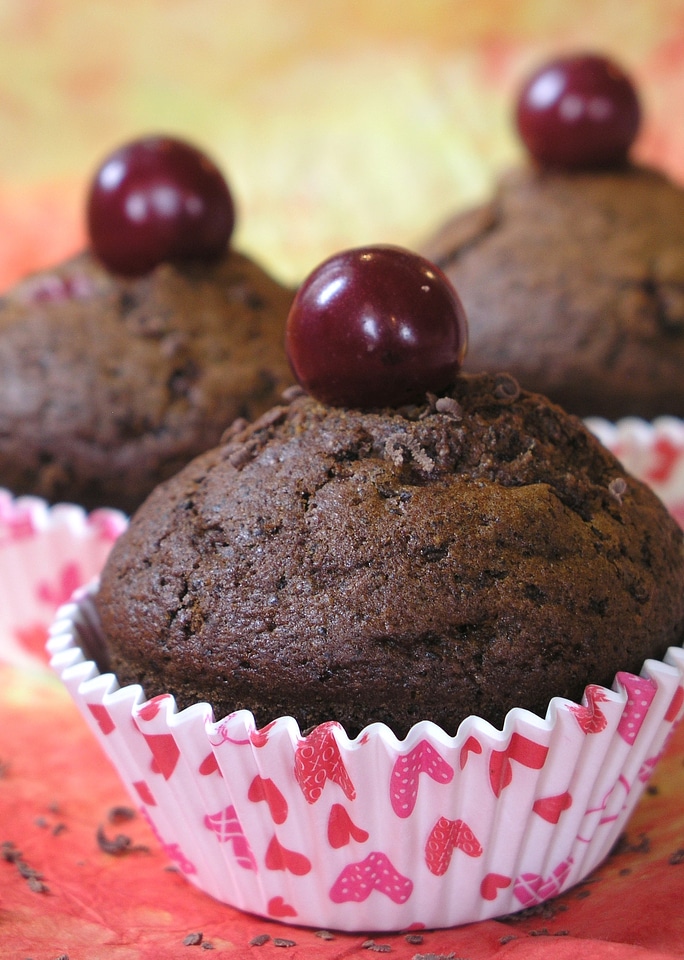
(377, 834)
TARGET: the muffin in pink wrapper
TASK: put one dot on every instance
(407, 663)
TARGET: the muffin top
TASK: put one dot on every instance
(573, 281)
(469, 554)
(109, 385)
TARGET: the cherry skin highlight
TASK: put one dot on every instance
(578, 112)
(375, 326)
(158, 199)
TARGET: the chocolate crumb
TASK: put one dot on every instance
(41, 822)
(582, 894)
(207, 945)
(376, 947)
(625, 872)
(120, 814)
(676, 857)
(282, 942)
(539, 933)
(562, 933)
(414, 938)
(119, 845)
(260, 940)
(503, 940)
(652, 790)
(192, 940)
(324, 935)
(58, 828)
(62, 956)
(506, 388)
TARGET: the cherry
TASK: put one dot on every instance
(578, 112)
(375, 326)
(158, 199)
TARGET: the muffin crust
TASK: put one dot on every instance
(476, 553)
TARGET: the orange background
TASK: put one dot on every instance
(337, 123)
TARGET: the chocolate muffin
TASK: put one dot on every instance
(573, 281)
(108, 384)
(467, 555)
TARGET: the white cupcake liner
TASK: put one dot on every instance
(377, 834)
(45, 553)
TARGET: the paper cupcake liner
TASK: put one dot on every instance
(377, 834)
(45, 553)
(653, 451)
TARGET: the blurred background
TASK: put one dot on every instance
(336, 123)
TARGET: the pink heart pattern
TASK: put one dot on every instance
(445, 837)
(279, 857)
(551, 808)
(531, 888)
(358, 880)
(406, 774)
(342, 829)
(265, 789)
(317, 760)
(640, 693)
(591, 718)
(524, 751)
(228, 829)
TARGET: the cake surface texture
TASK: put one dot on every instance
(574, 283)
(109, 385)
(475, 553)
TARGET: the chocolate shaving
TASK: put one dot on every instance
(376, 947)
(237, 426)
(119, 845)
(396, 448)
(617, 488)
(291, 393)
(414, 938)
(193, 940)
(259, 940)
(120, 814)
(282, 942)
(324, 935)
(449, 407)
(506, 388)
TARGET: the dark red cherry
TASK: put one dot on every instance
(578, 112)
(375, 326)
(158, 199)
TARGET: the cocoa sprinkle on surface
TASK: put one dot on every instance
(260, 940)
(193, 940)
(34, 879)
(119, 845)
